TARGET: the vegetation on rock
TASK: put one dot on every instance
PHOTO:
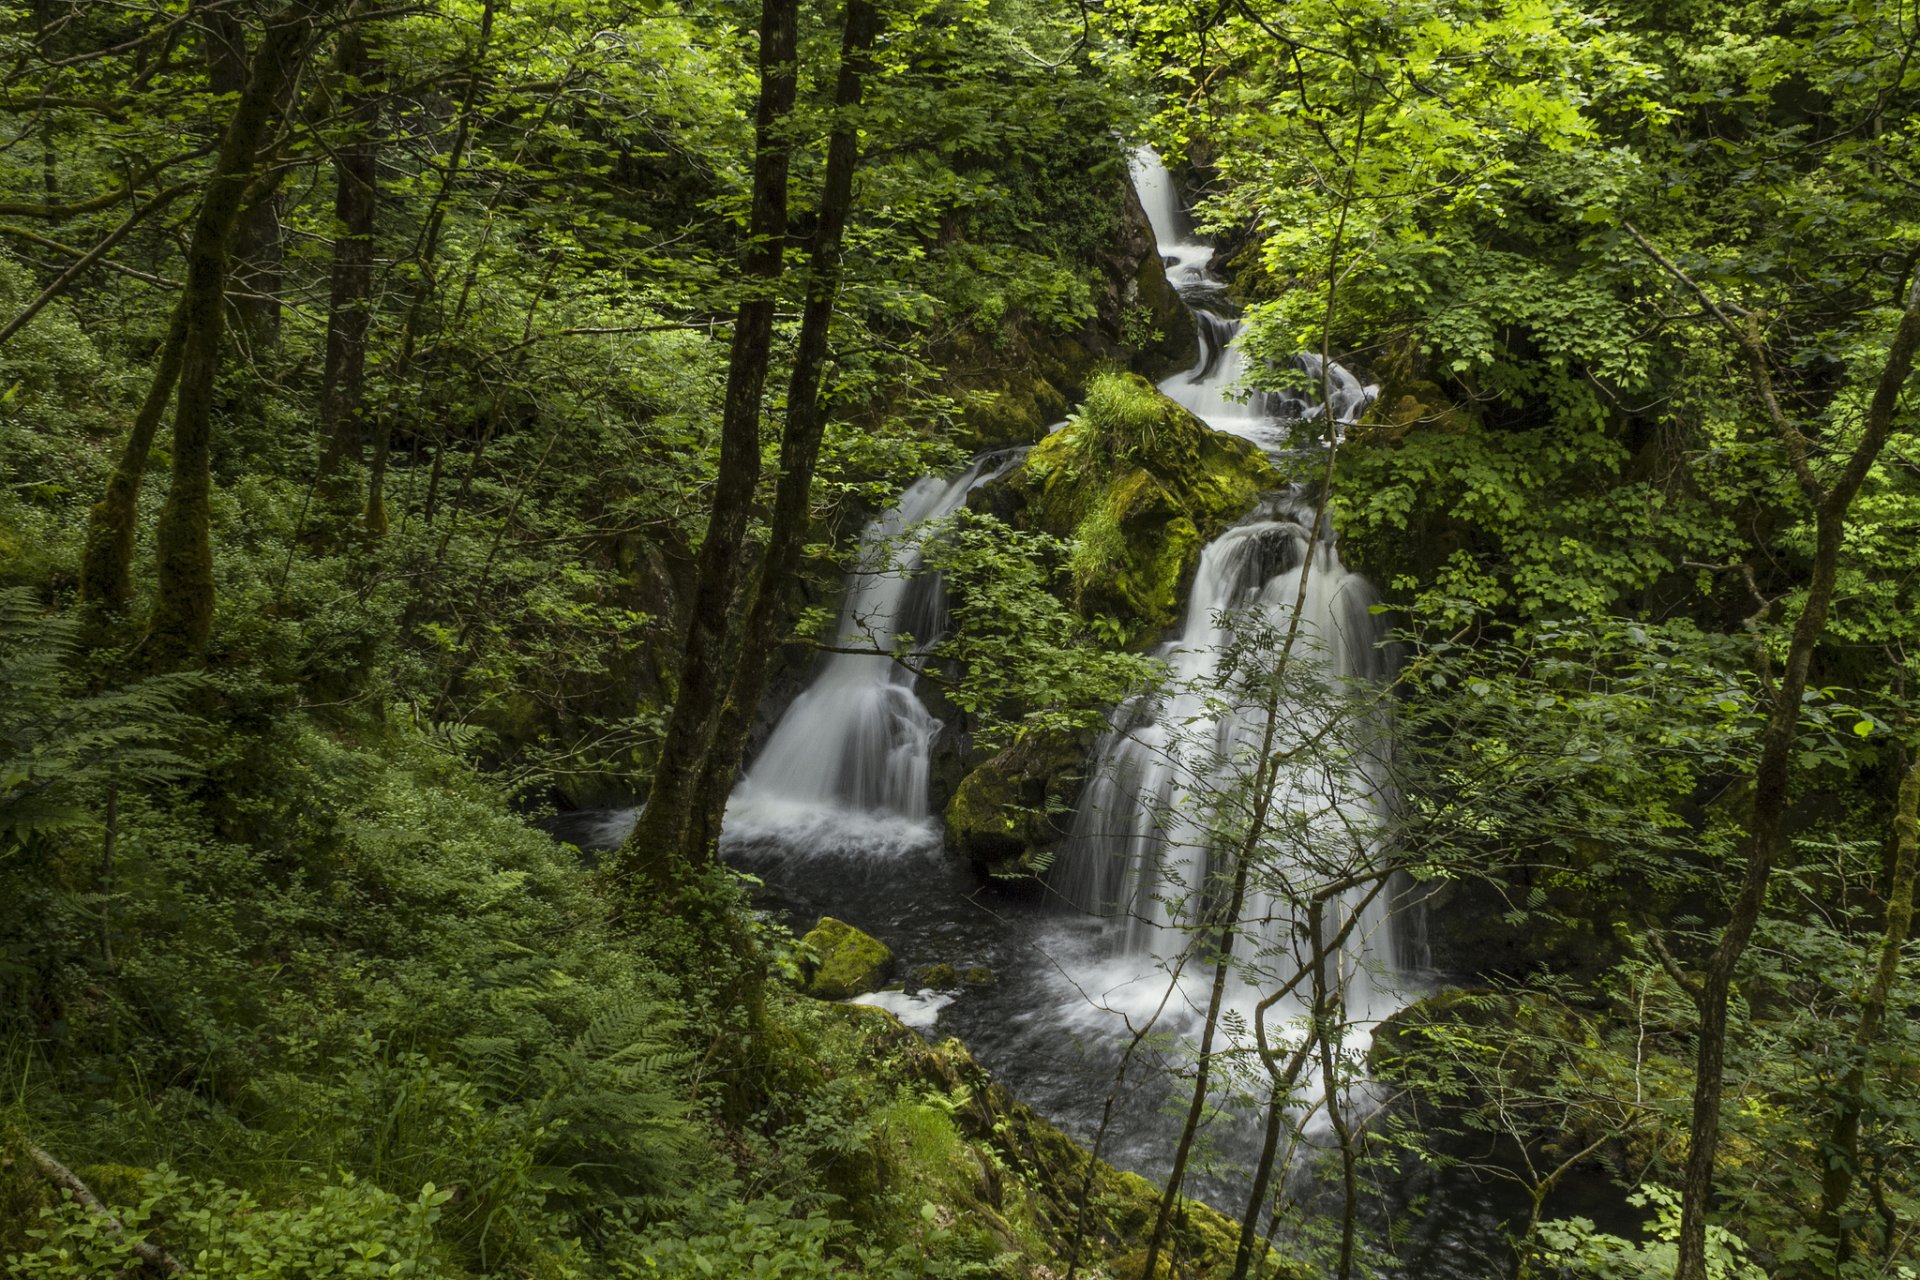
(1139, 485)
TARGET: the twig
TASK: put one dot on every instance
(152, 1254)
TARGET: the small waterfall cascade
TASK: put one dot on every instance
(1169, 785)
(1169, 781)
(847, 763)
(1214, 388)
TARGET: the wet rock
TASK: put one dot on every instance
(939, 977)
(847, 961)
(1016, 805)
(978, 976)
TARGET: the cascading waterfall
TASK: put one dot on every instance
(1161, 808)
(1214, 388)
(846, 766)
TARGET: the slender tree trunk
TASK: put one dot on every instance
(1216, 996)
(349, 307)
(256, 250)
(106, 564)
(1766, 825)
(660, 838)
(1277, 1098)
(1328, 1013)
(799, 443)
(426, 250)
(183, 609)
(1842, 1152)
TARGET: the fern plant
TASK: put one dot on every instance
(61, 748)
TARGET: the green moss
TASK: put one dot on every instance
(978, 976)
(940, 977)
(1140, 485)
(850, 963)
(23, 1191)
(1014, 804)
(978, 1174)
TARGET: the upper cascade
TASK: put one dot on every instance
(1215, 387)
(1277, 645)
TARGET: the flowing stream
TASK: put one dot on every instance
(847, 764)
(833, 814)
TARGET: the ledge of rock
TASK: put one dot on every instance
(1140, 485)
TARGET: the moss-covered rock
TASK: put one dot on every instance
(979, 1159)
(939, 977)
(1140, 485)
(847, 962)
(1017, 803)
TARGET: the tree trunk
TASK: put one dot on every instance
(1842, 1154)
(183, 610)
(349, 307)
(106, 565)
(799, 443)
(256, 249)
(660, 838)
(426, 249)
(1772, 781)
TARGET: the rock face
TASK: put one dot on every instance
(1140, 485)
(1014, 383)
(1025, 1186)
(850, 963)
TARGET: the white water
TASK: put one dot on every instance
(1215, 388)
(1168, 785)
(847, 764)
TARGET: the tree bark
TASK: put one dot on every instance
(257, 251)
(1842, 1150)
(182, 616)
(349, 306)
(106, 564)
(660, 839)
(1772, 785)
(766, 613)
(57, 1173)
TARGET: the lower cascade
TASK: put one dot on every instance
(847, 763)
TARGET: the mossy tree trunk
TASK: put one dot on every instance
(349, 306)
(255, 273)
(659, 842)
(182, 616)
(766, 612)
(106, 564)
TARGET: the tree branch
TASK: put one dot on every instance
(152, 1254)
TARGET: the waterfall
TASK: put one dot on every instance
(1160, 814)
(1213, 389)
(847, 764)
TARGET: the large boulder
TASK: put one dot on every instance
(1140, 485)
(1016, 804)
(847, 962)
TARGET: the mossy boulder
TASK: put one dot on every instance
(847, 962)
(940, 977)
(1140, 485)
(1017, 803)
(979, 1157)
